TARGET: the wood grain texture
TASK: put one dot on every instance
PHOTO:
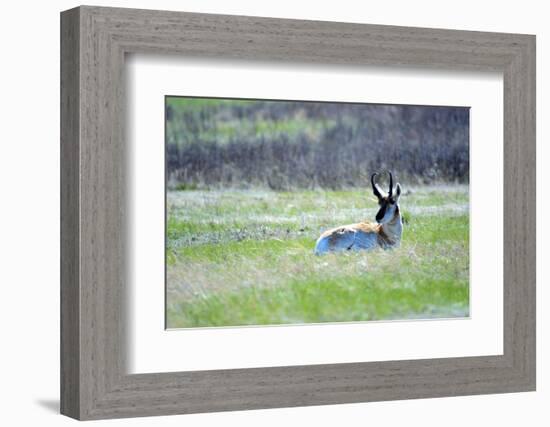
(70, 258)
(95, 383)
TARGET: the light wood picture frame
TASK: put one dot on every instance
(94, 379)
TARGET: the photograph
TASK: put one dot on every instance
(299, 212)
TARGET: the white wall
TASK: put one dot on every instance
(29, 226)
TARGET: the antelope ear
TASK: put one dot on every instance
(375, 188)
(397, 192)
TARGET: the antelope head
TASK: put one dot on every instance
(388, 204)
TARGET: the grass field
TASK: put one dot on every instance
(246, 258)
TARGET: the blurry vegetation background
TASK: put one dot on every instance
(285, 145)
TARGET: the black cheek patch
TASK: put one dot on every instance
(381, 213)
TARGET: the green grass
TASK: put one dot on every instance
(246, 258)
(211, 122)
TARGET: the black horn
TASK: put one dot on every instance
(375, 188)
(391, 184)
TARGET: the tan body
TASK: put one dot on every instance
(361, 236)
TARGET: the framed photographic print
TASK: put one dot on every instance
(262, 213)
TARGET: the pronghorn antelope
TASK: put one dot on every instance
(385, 233)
